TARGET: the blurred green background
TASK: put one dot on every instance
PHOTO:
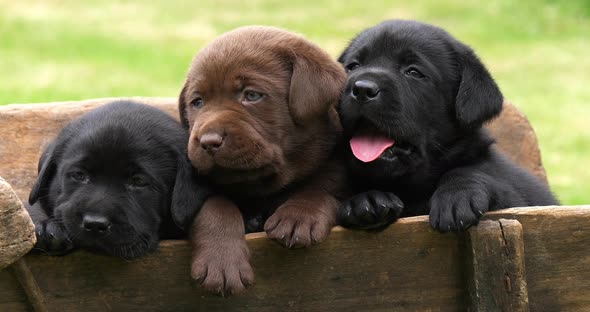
(538, 51)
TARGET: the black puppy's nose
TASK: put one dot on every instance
(96, 223)
(364, 90)
(211, 141)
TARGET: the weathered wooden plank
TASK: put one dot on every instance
(515, 137)
(12, 296)
(406, 268)
(17, 232)
(557, 249)
(498, 279)
(28, 283)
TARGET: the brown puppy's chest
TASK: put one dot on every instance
(260, 203)
(260, 206)
(262, 193)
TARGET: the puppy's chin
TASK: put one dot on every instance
(135, 248)
(125, 243)
(120, 240)
(241, 159)
(232, 160)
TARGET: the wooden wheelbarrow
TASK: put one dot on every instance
(520, 259)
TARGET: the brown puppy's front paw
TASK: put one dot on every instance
(223, 271)
(295, 228)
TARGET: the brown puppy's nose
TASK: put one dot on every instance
(211, 141)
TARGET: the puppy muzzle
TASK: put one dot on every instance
(366, 85)
(230, 143)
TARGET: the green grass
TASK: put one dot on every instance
(55, 50)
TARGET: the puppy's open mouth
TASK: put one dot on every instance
(368, 144)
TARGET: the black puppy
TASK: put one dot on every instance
(114, 180)
(413, 109)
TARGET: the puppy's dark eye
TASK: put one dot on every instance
(252, 96)
(352, 66)
(79, 176)
(413, 72)
(197, 102)
(139, 181)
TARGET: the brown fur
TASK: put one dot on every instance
(220, 255)
(275, 159)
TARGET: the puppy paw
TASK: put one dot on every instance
(457, 210)
(223, 271)
(52, 238)
(296, 227)
(373, 210)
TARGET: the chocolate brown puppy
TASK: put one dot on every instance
(259, 103)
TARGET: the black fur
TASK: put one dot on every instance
(431, 94)
(124, 169)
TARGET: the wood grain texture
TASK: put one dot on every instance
(557, 255)
(28, 128)
(12, 295)
(351, 271)
(28, 283)
(407, 267)
(17, 233)
(517, 139)
(498, 278)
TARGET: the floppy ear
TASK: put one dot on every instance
(189, 194)
(46, 172)
(182, 106)
(479, 99)
(314, 88)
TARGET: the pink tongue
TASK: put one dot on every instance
(368, 148)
